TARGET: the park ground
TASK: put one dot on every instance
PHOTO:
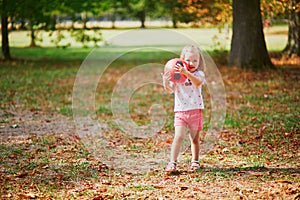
(256, 157)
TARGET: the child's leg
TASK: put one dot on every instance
(176, 145)
(195, 144)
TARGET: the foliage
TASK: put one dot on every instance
(114, 9)
(274, 9)
(44, 15)
(222, 12)
(35, 12)
(198, 12)
(83, 37)
(140, 9)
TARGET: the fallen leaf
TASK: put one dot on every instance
(169, 141)
(102, 190)
(199, 189)
(284, 181)
(190, 196)
(263, 128)
(184, 188)
(287, 134)
(28, 196)
(14, 126)
(98, 198)
(45, 167)
(259, 173)
(225, 151)
(253, 118)
(267, 163)
(106, 182)
(20, 175)
(158, 186)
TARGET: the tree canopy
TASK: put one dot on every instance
(34, 15)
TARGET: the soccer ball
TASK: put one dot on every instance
(176, 77)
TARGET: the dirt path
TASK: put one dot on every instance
(34, 122)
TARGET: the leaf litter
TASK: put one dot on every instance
(257, 156)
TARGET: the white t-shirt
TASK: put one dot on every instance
(187, 95)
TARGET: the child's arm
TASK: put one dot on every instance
(166, 77)
(195, 80)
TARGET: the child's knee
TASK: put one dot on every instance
(179, 137)
(195, 139)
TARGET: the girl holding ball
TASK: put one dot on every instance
(188, 104)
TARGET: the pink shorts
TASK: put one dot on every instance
(191, 119)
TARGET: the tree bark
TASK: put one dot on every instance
(113, 15)
(32, 36)
(293, 44)
(248, 46)
(142, 16)
(174, 22)
(4, 32)
(113, 20)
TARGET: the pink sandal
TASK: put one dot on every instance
(171, 167)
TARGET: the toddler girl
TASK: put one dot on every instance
(188, 105)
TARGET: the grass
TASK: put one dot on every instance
(257, 156)
(208, 38)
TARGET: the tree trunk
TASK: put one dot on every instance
(84, 19)
(293, 44)
(32, 36)
(142, 15)
(4, 32)
(248, 46)
(174, 22)
(22, 27)
(52, 24)
(113, 15)
(113, 20)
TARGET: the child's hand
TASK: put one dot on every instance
(181, 69)
(166, 76)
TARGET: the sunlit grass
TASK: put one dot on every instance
(208, 38)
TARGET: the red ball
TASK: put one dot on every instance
(175, 75)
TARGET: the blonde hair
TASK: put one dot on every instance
(188, 48)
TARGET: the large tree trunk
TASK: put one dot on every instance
(248, 46)
(4, 32)
(293, 44)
